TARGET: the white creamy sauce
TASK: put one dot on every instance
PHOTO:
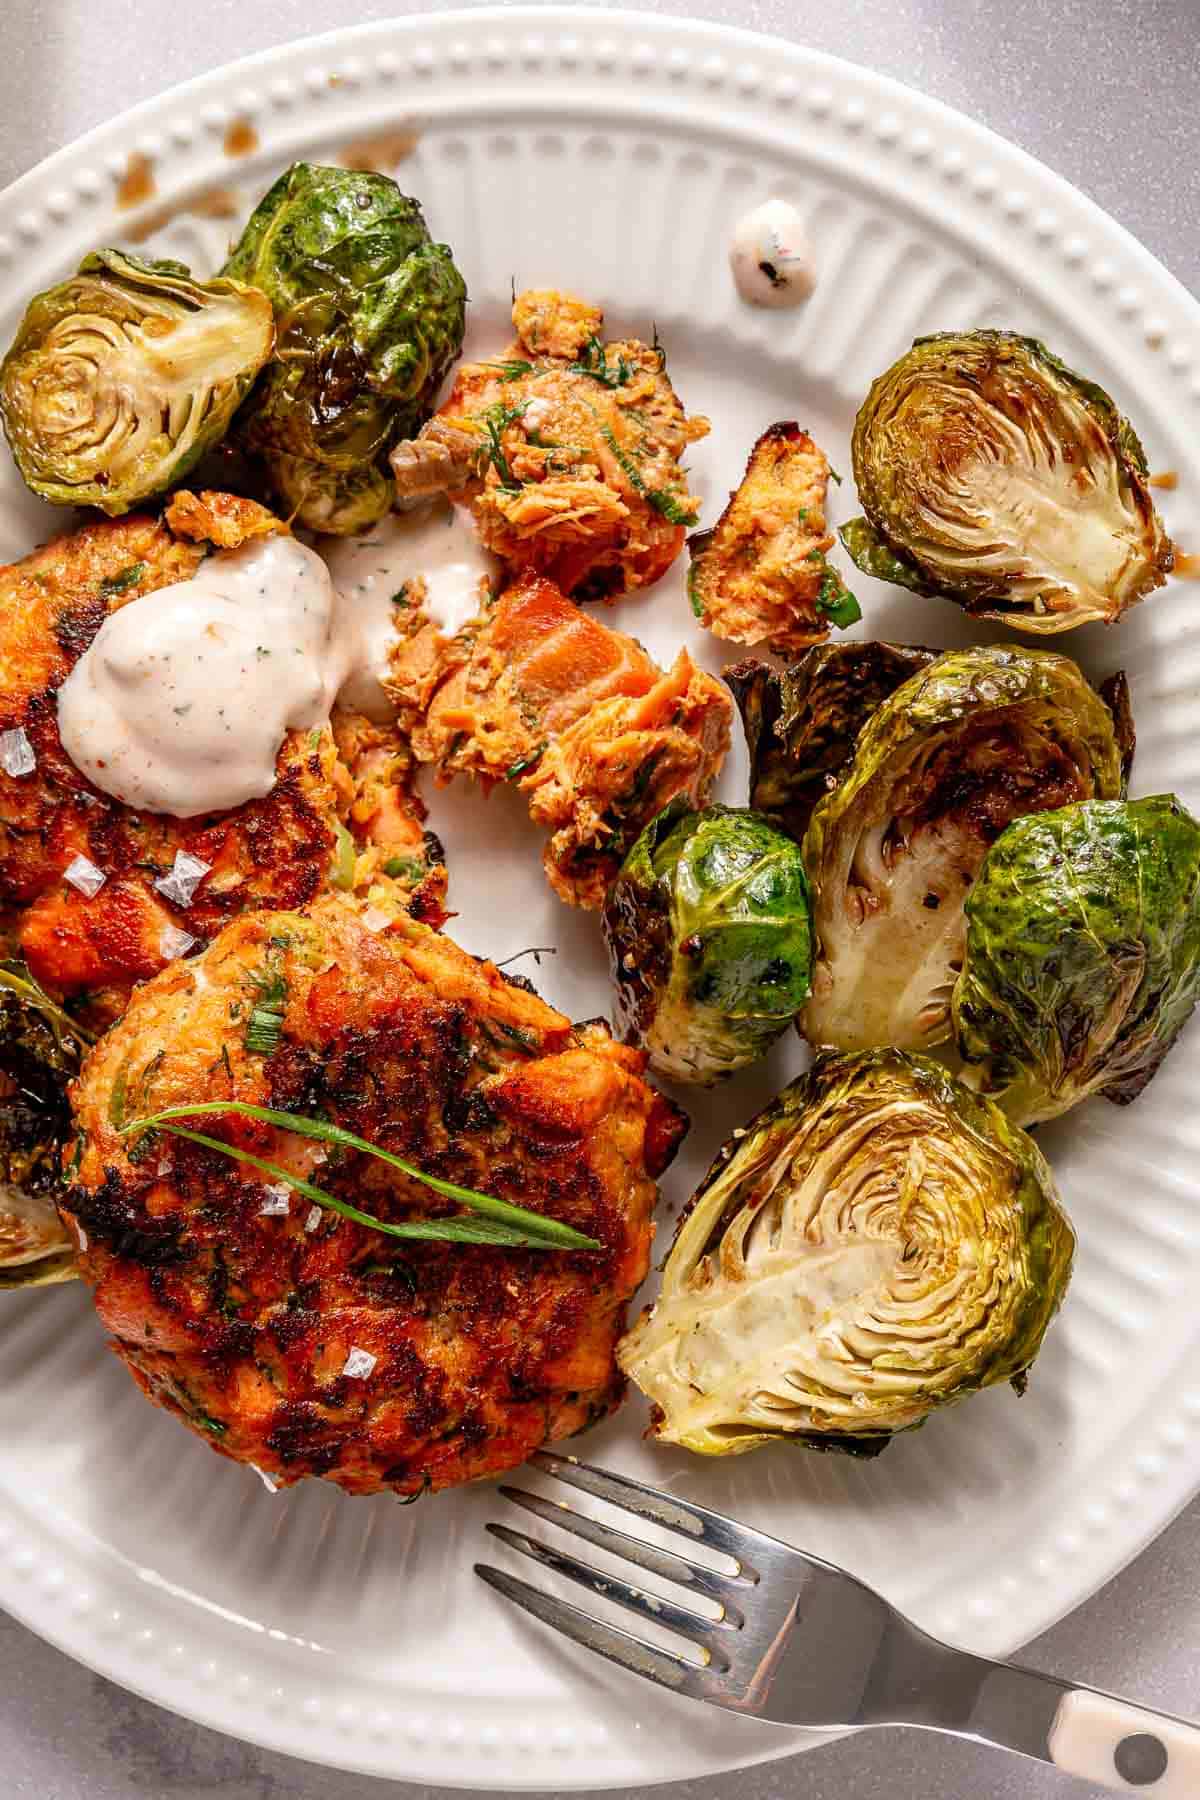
(375, 575)
(770, 258)
(182, 700)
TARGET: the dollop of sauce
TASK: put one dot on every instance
(183, 698)
(770, 258)
(429, 560)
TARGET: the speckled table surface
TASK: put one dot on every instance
(1104, 92)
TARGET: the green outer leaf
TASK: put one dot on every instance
(915, 426)
(133, 379)
(874, 556)
(835, 1125)
(1083, 953)
(550, 1231)
(709, 940)
(371, 314)
(945, 704)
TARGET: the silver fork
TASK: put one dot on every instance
(795, 1640)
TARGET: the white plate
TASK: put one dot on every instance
(611, 153)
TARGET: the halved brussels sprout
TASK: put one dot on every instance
(876, 1243)
(1083, 954)
(994, 475)
(41, 1050)
(36, 1250)
(709, 938)
(801, 722)
(370, 315)
(120, 379)
(975, 740)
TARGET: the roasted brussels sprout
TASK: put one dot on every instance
(978, 738)
(801, 722)
(41, 1049)
(992, 474)
(1114, 691)
(1083, 954)
(709, 936)
(120, 379)
(370, 314)
(878, 1242)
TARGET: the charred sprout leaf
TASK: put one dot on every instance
(877, 1243)
(994, 475)
(976, 739)
(1114, 691)
(120, 379)
(709, 939)
(801, 723)
(1083, 954)
(41, 1049)
(370, 315)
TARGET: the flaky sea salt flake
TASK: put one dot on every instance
(186, 874)
(83, 874)
(174, 943)
(277, 1200)
(16, 752)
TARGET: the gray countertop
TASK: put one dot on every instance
(1109, 95)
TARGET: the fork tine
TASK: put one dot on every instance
(695, 1627)
(621, 1647)
(695, 1522)
(651, 1557)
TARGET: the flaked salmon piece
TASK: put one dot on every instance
(535, 666)
(225, 520)
(760, 575)
(551, 323)
(584, 721)
(614, 769)
(573, 446)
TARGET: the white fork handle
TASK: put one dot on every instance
(1125, 1747)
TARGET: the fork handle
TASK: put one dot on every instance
(1131, 1749)
(1125, 1747)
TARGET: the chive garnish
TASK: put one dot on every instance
(500, 1221)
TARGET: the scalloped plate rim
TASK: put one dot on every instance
(330, 1748)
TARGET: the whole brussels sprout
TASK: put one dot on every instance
(120, 379)
(370, 314)
(992, 474)
(1083, 954)
(709, 938)
(801, 722)
(875, 1244)
(976, 739)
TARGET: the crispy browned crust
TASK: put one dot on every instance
(241, 1324)
(270, 852)
(588, 726)
(758, 575)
